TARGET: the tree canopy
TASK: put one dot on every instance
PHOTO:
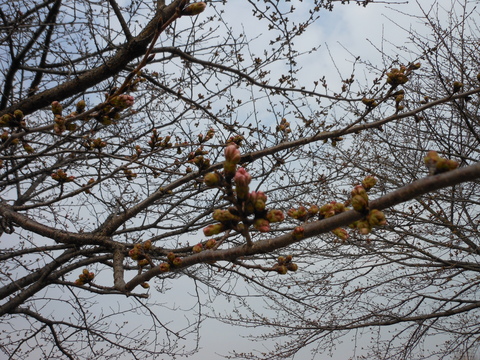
(145, 143)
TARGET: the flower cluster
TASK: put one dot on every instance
(437, 164)
(139, 253)
(249, 207)
(172, 261)
(359, 202)
(85, 277)
(198, 159)
(112, 110)
(285, 264)
(208, 245)
(62, 177)
(62, 123)
(157, 141)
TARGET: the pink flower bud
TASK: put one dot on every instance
(232, 154)
(122, 101)
(224, 216)
(164, 267)
(340, 233)
(262, 225)
(57, 108)
(210, 244)
(360, 190)
(300, 214)
(214, 229)
(242, 177)
(299, 232)
(376, 218)
(359, 203)
(275, 216)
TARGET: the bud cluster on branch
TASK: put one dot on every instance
(248, 207)
(85, 277)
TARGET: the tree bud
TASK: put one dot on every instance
(177, 261)
(282, 269)
(224, 216)
(164, 267)
(262, 225)
(80, 108)
(342, 234)
(212, 179)
(292, 267)
(275, 216)
(210, 244)
(359, 203)
(299, 232)
(197, 248)
(122, 101)
(214, 229)
(57, 108)
(376, 218)
(369, 182)
(232, 154)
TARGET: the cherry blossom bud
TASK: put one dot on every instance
(282, 269)
(376, 218)
(210, 244)
(229, 168)
(292, 267)
(262, 225)
(147, 245)
(214, 229)
(212, 179)
(360, 190)
(275, 216)
(299, 232)
(164, 267)
(369, 182)
(224, 216)
(57, 108)
(396, 77)
(177, 261)
(340, 233)
(122, 101)
(143, 262)
(18, 115)
(232, 154)
(171, 256)
(457, 86)
(300, 214)
(359, 203)
(80, 108)
(364, 227)
(242, 177)
(197, 248)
